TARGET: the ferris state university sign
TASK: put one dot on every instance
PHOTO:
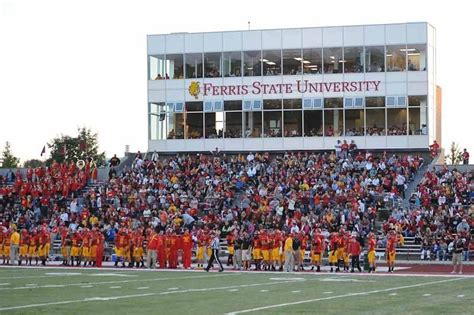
(301, 86)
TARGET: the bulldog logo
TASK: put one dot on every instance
(194, 89)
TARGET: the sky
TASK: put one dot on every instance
(67, 64)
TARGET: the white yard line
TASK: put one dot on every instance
(76, 301)
(93, 299)
(117, 281)
(341, 296)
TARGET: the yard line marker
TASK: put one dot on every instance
(142, 288)
(4, 283)
(393, 294)
(327, 292)
(296, 291)
(124, 281)
(171, 289)
(31, 284)
(263, 290)
(139, 295)
(53, 286)
(341, 296)
(116, 287)
(86, 286)
(233, 290)
(460, 295)
(426, 294)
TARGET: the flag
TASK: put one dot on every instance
(43, 151)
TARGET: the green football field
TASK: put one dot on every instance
(80, 291)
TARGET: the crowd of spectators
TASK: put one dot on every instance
(441, 207)
(290, 192)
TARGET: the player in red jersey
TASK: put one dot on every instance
(333, 242)
(230, 248)
(24, 241)
(187, 247)
(317, 250)
(390, 251)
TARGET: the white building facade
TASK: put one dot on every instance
(293, 89)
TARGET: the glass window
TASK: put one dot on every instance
(375, 102)
(333, 102)
(272, 104)
(308, 103)
(252, 63)
(247, 105)
(318, 103)
(232, 105)
(292, 123)
(292, 61)
(208, 106)
(417, 100)
(353, 59)
(312, 61)
(193, 66)
(178, 107)
(292, 103)
(156, 67)
(417, 121)
(212, 65)
(374, 59)
(272, 124)
(194, 125)
(396, 58)
(416, 55)
(214, 125)
(271, 62)
(232, 64)
(233, 125)
(194, 106)
(253, 124)
(354, 122)
(333, 122)
(175, 122)
(174, 66)
(313, 123)
(218, 106)
(396, 121)
(333, 60)
(375, 120)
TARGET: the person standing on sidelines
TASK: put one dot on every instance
(151, 250)
(457, 253)
(14, 245)
(354, 250)
(289, 257)
(215, 252)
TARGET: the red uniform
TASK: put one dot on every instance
(187, 246)
(100, 249)
(161, 245)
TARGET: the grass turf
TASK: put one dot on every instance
(79, 291)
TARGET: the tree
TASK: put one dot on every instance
(454, 157)
(33, 163)
(8, 159)
(81, 147)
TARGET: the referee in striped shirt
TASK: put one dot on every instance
(215, 252)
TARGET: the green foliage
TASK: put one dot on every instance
(454, 156)
(80, 147)
(8, 159)
(33, 163)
